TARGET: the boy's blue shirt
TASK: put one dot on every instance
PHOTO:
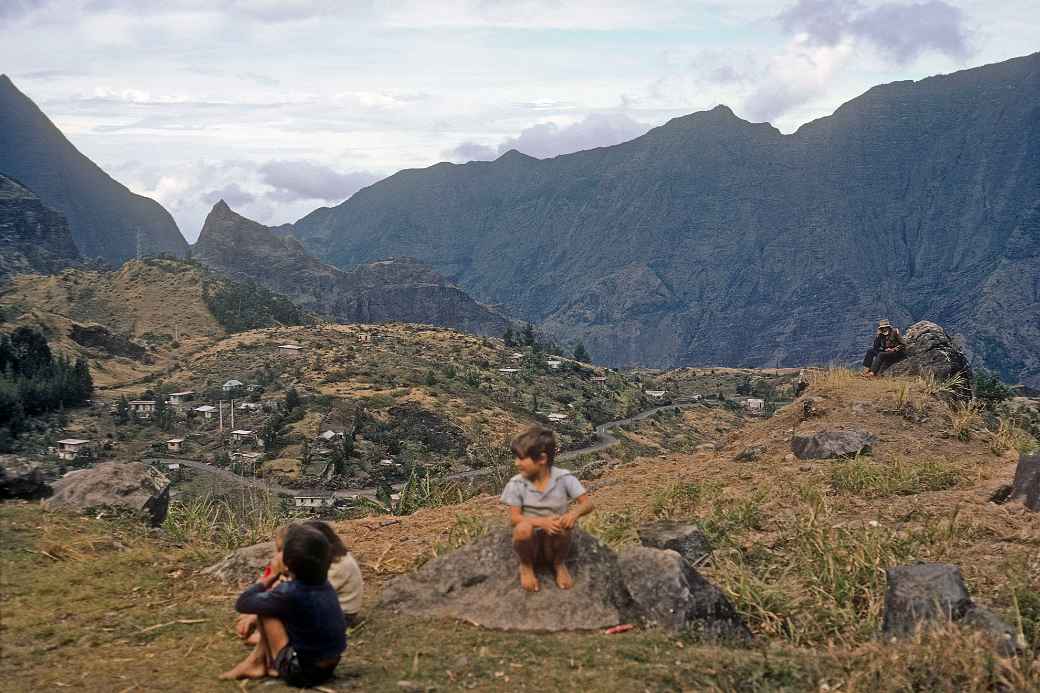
(311, 614)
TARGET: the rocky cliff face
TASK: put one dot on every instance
(103, 215)
(34, 239)
(714, 240)
(398, 289)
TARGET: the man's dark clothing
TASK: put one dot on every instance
(877, 359)
(301, 673)
(311, 615)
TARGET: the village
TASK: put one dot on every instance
(280, 415)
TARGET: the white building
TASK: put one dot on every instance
(656, 394)
(755, 406)
(508, 370)
(142, 408)
(174, 444)
(180, 399)
(206, 410)
(313, 501)
(243, 437)
(554, 363)
(598, 378)
(557, 417)
(75, 448)
(290, 350)
(231, 385)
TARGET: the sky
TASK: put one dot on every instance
(283, 106)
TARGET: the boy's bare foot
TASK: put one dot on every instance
(247, 669)
(528, 580)
(253, 638)
(563, 577)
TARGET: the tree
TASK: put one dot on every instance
(581, 354)
(162, 414)
(84, 383)
(122, 410)
(292, 398)
(527, 338)
(508, 337)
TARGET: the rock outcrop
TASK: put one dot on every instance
(642, 253)
(479, 584)
(1026, 486)
(832, 444)
(930, 351)
(244, 565)
(669, 593)
(685, 538)
(22, 478)
(133, 487)
(925, 594)
(34, 239)
(396, 289)
(107, 221)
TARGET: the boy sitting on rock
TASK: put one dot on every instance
(301, 626)
(539, 498)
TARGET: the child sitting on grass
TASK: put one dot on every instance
(300, 622)
(539, 498)
(245, 625)
(344, 574)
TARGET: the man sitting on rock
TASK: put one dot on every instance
(539, 498)
(889, 347)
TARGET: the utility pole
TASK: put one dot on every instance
(232, 413)
(220, 407)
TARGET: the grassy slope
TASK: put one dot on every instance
(798, 551)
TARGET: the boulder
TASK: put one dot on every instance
(923, 593)
(750, 454)
(829, 444)
(669, 593)
(685, 538)
(1003, 637)
(1026, 486)
(478, 583)
(244, 565)
(22, 478)
(134, 487)
(930, 351)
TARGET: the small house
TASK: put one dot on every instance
(598, 378)
(517, 356)
(554, 363)
(394, 497)
(330, 435)
(231, 385)
(290, 350)
(174, 444)
(250, 406)
(180, 399)
(243, 437)
(206, 410)
(142, 408)
(557, 417)
(755, 406)
(508, 370)
(172, 466)
(313, 501)
(75, 448)
(364, 338)
(656, 394)
(386, 463)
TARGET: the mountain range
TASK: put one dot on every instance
(391, 289)
(715, 240)
(105, 218)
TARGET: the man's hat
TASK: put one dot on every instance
(883, 323)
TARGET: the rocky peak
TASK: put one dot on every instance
(34, 239)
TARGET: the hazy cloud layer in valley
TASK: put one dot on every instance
(286, 106)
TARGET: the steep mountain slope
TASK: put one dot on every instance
(398, 289)
(33, 237)
(715, 240)
(104, 215)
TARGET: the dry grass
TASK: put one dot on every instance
(965, 418)
(868, 478)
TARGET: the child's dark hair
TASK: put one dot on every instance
(337, 549)
(306, 554)
(535, 442)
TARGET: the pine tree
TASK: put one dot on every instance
(527, 338)
(581, 354)
(508, 337)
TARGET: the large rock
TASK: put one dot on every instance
(133, 487)
(479, 584)
(669, 593)
(1003, 637)
(244, 565)
(1026, 486)
(930, 351)
(685, 538)
(923, 593)
(829, 444)
(21, 478)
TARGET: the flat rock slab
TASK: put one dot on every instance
(133, 487)
(244, 565)
(832, 444)
(685, 538)
(1026, 487)
(669, 593)
(479, 584)
(923, 593)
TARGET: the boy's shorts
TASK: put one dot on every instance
(300, 673)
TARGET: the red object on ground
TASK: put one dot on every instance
(624, 627)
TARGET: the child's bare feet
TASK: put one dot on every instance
(253, 638)
(249, 668)
(563, 577)
(528, 579)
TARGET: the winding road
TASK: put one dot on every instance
(605, 440)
